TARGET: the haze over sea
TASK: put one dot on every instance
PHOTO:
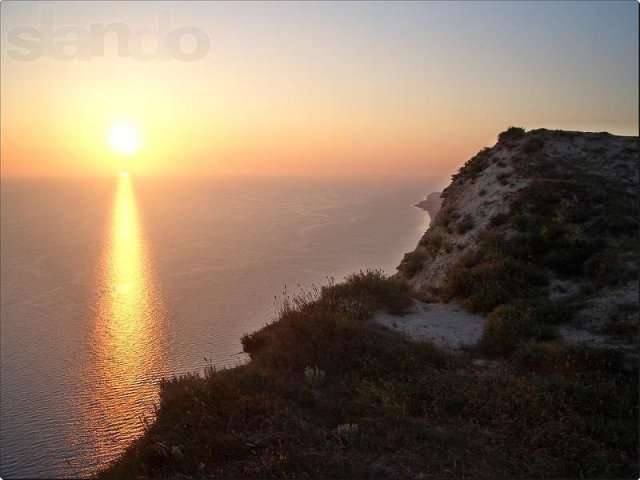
(109, 285)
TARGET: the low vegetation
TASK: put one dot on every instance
(507, 326)
(510, 134)
(532, 145)
(327, 394)
(433, 243)
(486, 278)
(474, 166)
(464, 225)
(412, 263)
(446, 218)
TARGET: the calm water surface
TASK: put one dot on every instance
(109, 285)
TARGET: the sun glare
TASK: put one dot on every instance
(124, 139)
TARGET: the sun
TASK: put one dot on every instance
(124, 139)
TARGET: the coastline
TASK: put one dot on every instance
(431, 204)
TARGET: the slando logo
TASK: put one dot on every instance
(72, 42)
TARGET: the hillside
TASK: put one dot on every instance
(545, 221)
(538, 235)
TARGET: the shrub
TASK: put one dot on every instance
(347, 432)
(503, 178)
(549, 312)
(611, 267)
(434, 242)
(568, 259)
(510, 134)
(474, 166)
(538, 164)
(445, 217)
(499, 219)
(330, 333)
(506, 327)
(532, 145)
(485, 279)
(464, 225)
(412, 263)
(373, 289)
(314, 376)
(563, 223)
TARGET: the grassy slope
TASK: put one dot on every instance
(406, 409)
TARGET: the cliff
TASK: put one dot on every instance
(483, 197)
(538, 233)
(543, 214)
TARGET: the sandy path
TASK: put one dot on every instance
(445, 324)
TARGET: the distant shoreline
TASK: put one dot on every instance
(431, 204)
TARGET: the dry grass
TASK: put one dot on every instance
(385, 407)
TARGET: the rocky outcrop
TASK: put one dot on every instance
(562, 202)
(480, 196)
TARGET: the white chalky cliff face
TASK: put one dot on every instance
(479, 200)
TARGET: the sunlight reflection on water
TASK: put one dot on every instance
(128, 355)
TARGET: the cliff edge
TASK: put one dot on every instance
(541, 216)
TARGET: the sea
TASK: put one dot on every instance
(109, 285)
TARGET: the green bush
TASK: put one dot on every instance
(474, 166)
(464, 225)
(568, 259)
(434, 242)
(499, 219)
(508, 326)
(485, 279)
(532, 145)
(412, 263)
(510, 134)
(317, 332)
(549, 312)
(372, 288)
(445, 217)
(612, 267)
(561, 224)
(503, 178)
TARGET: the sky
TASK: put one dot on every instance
(327, 88)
